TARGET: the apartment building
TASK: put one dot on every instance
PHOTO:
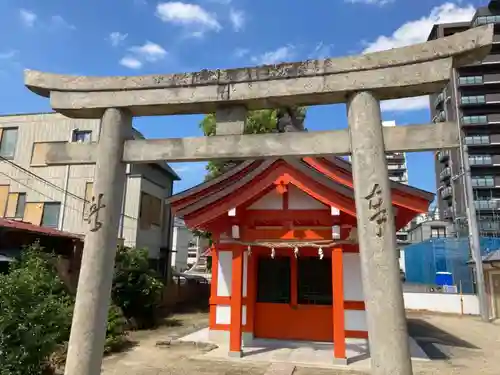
(472, 100)
(59, 196)
(398, 171)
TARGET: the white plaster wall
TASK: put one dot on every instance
(223, 314)
(298, 200)
(442, 302)
(355, 320)
(225, 269)
(353, 287)
(270, 201)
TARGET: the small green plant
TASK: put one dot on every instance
(136, 287)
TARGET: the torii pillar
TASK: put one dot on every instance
(385, 313)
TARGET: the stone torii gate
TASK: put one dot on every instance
(361, 81)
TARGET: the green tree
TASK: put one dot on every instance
(257, 122)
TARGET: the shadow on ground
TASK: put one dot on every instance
(433, 340)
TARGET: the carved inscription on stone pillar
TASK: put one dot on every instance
(376, 205)
(93, 218)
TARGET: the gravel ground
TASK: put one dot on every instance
(456, 345)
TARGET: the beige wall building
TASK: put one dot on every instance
(58, 196)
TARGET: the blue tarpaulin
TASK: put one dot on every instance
(424, 260)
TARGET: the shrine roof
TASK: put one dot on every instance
(241, 176)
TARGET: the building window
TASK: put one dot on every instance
(81, 136)
(477, 99)
(21, 204)
(273, 280)
(482, 119)
(470, 80)
(483, 181)
(8, 142)
(480, 160)
(314, 281)
(477, 140)
(50, 216)
(149, 211)
(438, 232)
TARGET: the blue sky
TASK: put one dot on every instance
(134, 37)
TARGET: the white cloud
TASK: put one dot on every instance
(237, 18)
(28, 18)
(189, 167)
(273, 57)
(131, 62)
(191, 16)
(417, 31)
(7, 55)
(241, 52)
(321, 51)
(59, 22)
(406, 104)
(370, 2)
(149, 51)
(116, 38)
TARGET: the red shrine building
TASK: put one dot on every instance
(285, 260)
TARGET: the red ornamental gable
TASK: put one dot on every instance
(327, 180)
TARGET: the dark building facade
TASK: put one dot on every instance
(472, 100)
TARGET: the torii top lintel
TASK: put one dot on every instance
(401, 72)
(328, 180)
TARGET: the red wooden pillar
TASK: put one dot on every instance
(251, 292)
(339, 350)
(235, 329)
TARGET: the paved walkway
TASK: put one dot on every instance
(456, 345)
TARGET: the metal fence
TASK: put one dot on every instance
(426, 261)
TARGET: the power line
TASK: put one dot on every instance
(40, 178)
(50, 198)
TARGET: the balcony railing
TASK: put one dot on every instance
(483, 20)
(447, 214)
(443, 156)
(477, 140)
(473, 120)
(480, 160)
(439, 100)
(439, 117)
(445, 174)
(447, 192)
(396, 166)
(489, 226)
(486, 205)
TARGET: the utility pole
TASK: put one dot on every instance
(470, 210)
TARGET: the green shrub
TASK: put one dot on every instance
(35, 317)
(116, 334)
(136, 287)
(35, 314)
